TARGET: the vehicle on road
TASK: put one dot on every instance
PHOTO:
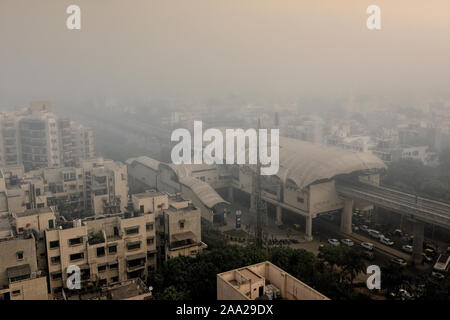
(374, 233)
(442, 263)
(427, 258)
(348, 242)
(402, 294)
(369, 255)
(437, 275)
(430, 252)
(364, 228)
(407, 248)
(427, 245)
(367, 245)
(399, 261)
(333, 242)
(398, 232)
(386, 241)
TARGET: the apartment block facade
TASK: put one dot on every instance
(99, 186)
(36, 138)
(21, 275)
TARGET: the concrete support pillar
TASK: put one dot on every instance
(278, 220)
(418, 229)
(230, 194)
(346, 216)
(308, 228)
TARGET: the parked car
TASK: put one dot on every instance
(369, 255)
(399, 261)
(367, 245)
(429, 246)
(437, 275)
(430, 252)
(405, 295)
(374, 234)
(297, 227)
(386, 241)
(364, 228)
(398, 232)
(427, 258)
(355, 227)
(333, 242)
(407, 248)
(348, 242)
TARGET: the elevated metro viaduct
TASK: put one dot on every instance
(312, 180)
(304, 184)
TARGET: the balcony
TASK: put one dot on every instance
(182, 240)
(19, 273)
(136, 262)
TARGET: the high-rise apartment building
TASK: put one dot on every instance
(37, 138)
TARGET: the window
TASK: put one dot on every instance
(69, 176)
(113, 266)
(101, 268)
(19, 255)
(112, 249)
(300, 199)
(149, 226)
(102, 282)
(56, 275)
(141, 209)
(38, 191)
(115, 279)
(76, 256)
(15, 292)
(57, 290)
(75, 241)
(54, 244)
(132, 230)
(181, 223)
(55, 260)
(133, 245)
(150, 240)
(51, 224)
(100, 251)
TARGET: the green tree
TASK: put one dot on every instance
(353, 264)
(171, 293)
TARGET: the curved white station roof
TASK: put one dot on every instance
(207, 195)
(305, 162)
(146, 161)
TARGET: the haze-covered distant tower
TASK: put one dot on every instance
(10, 153)
(40, 143)
(36, 138)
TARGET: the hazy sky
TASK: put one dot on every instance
(207, 48)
